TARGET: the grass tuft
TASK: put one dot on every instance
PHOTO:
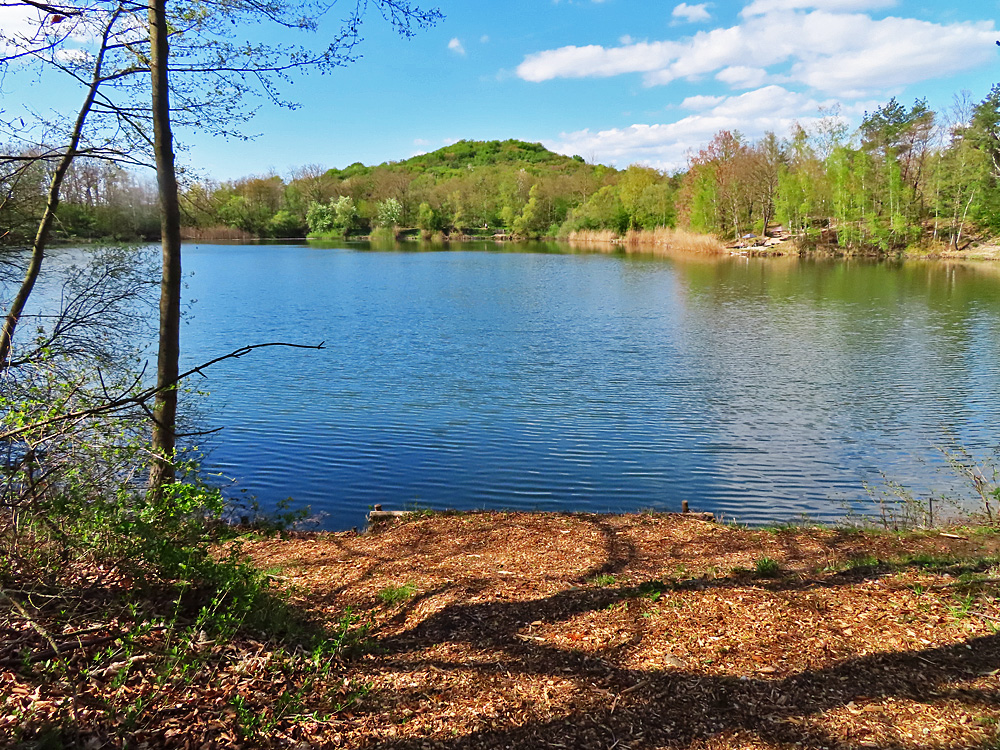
(396, 594)
(767, 567)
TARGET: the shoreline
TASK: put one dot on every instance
(653, 244)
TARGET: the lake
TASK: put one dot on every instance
(527, 378)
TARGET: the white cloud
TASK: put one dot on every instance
(692, 13)
(742, 77)
(456, 46)
(666, 145)
(834, 52)
(72, 55)
(20, 23)
(19, 20)
(894, 52)
(421, 142)
(701, 102)
(594, 60)
(484, 39)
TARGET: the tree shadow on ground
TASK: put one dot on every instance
(651, 708)
(638, 708)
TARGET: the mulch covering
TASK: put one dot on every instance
(511, 630)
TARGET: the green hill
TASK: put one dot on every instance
(467, 154)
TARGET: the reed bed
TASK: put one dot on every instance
(215, 233)
(661, 240)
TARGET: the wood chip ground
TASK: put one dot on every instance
(512, 630)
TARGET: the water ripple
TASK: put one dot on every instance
(760, 390)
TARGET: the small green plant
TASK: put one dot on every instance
(603, 579)
(651, 590)
(962, 606)
(250, 720)
(396, 594)
(863, 562)
(767, 567)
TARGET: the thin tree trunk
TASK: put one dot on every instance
(41, 241)
(162, 471)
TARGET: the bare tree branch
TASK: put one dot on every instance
(140, 399)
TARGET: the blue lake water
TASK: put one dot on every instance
(761, 389)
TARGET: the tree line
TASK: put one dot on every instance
(513, 187)
(908, 176)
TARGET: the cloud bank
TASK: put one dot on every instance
(838, 53)
(781, 60)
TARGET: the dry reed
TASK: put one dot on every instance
(662, 240)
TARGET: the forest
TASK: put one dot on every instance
(908, 178)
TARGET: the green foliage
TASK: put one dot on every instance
(396, 594)
(320, 219)
(243, 213)
(603, 210)
(354, 170)
(428, 218)
(337, 217)
(631, 187)
(113, 222)
(468, 186)
(767, 567)
(863, 562)
(465, 154)
(284, 224)
(702, 215)
(530, 223)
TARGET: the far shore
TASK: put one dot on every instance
(647, 242)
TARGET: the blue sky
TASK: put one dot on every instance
(616, 81)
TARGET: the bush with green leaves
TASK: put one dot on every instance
(337, 217)
(74, 438)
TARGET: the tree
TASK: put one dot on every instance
(530, 222)
(631, 186)
(388, 213)
(335, 217)
(718, 193)
(211, 83)
(104, 29)
(428, 219)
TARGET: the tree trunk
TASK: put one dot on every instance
(51, 204)
(162, 471)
